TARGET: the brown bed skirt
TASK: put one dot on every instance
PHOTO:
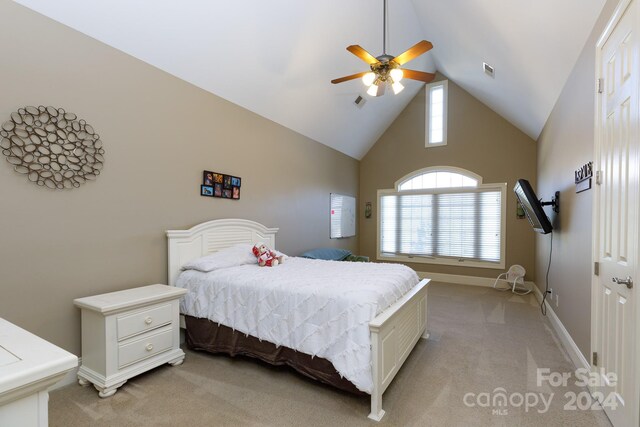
(205, 335)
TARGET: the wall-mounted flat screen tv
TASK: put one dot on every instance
(532, 207)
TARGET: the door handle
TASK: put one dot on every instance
(628, 282)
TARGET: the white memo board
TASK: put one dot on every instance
(342, 216)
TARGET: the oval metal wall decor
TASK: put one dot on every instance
(52, 147)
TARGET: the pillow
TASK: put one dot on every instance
(356, 258)
(233, 256)
(331, 254)
(278, 253)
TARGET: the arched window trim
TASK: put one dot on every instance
(432, 169)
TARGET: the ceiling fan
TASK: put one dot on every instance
(386, 69)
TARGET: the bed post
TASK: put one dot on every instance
(425, 321)
(376, 394)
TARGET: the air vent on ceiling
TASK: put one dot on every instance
(359, 101)
(488, 69)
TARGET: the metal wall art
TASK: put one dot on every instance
(583, 177)
(52, 147)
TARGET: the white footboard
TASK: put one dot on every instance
(394, 333)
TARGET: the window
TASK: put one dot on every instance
(438, 179)
(443, 216)
(436, 118)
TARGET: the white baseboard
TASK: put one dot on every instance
(70, 378)
(457, 278)
(568, 343)
(463, 280)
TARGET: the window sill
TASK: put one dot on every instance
(435, 144)
(442, 261)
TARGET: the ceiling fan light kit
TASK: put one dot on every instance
(383, 74)
(369, 78)
(396, 74)
(386, 69)
(397, 87)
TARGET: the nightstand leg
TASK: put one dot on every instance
(83, 382)
(176, 362)
(108, 391)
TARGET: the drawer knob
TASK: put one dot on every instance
(148, 320)
(149, 347)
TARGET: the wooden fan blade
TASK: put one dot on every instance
(362, 54)
(418, 75)
(347, 78)
(413, 52)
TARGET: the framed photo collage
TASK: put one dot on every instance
(221, 185)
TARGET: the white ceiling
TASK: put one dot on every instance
(532, 44)
(276, 57)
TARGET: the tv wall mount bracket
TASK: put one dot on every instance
(554, 203)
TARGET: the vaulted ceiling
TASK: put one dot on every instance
(276, 57)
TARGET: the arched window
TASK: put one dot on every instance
(443, 215)
(438, 177)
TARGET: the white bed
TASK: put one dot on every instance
(392, 333)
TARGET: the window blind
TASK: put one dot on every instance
(463, 225)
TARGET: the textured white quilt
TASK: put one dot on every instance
(321, 308)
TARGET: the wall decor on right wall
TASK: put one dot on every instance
(220, 185)
(583, 177)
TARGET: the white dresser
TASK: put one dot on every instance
(128, 332)
(28, 366)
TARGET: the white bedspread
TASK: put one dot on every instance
(317, 307)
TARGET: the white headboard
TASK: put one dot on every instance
(212, 236)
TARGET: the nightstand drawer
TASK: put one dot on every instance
(142, 321)
(148, 346)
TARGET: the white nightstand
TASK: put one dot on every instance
(127, 333)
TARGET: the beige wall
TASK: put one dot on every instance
(479, 140)
(566, 143)
(160, 133)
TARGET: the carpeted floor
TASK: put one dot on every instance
(481, 340)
